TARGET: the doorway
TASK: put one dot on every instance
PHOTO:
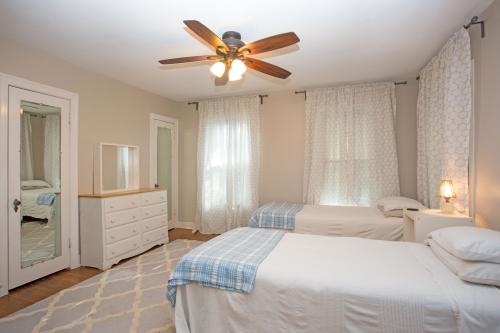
(38, 191)
(163, 152)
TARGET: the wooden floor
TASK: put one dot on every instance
(37, 290)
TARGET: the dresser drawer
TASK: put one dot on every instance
(120, 233)
(122, 247)
(154, 197)
(120, 203)
(155, 210)
(154, 236)
(154, 223)
(123, 217)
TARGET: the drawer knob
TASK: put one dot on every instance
(132, 203)
(112, 237)
(134, 231)
(135, 244)
(112, 252)
(133, 216)
(146, 200)
(147, 227)
(112, 222)
(111, 206)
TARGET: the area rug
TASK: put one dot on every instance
(128, 298)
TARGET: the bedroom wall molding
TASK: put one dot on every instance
(7, 81)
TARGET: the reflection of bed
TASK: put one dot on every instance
(365, 222)
(30, 207)
(311, 283)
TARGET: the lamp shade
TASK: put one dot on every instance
(218, 69)
(446, 190)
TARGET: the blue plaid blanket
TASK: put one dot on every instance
(229, 261)
(46, 198)
(280, 215)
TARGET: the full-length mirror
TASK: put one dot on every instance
(40, 182)
(116, 168)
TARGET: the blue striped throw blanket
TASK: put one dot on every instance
(279, 215)
(229, 261)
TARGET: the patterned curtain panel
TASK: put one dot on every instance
(350, 154)
(444, 112)
(228, 163)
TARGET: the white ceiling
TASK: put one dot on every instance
(341, 40)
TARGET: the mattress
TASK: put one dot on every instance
(311, 283)
(29, 207)
(364, 222)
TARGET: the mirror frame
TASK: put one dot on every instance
(133, 182)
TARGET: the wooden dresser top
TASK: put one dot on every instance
(117, 194)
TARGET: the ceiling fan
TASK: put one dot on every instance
(232, 54)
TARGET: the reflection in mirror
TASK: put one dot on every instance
(117, 167)
(40, 183)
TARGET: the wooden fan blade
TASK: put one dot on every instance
(267, 68)
(220, 81)
(187, 59)
(206, 34)
(271, 43)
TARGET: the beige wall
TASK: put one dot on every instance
(283, 138)
(188, 136)
(486, 53)
(110, 111)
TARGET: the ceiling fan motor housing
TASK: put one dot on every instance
(232, 39)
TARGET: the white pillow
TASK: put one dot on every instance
(471, 271)
(469, 243)
(34, 184)
(393, 203)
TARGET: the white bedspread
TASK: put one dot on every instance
(365, 222)
(29, 207)
(365, 286)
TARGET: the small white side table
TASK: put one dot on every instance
(418, 224)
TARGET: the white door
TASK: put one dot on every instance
(38, 184)
(163, 160)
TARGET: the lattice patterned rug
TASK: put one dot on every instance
(128, 298)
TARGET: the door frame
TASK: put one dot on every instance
(175, 157)
(7, 81)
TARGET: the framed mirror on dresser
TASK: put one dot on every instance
(120, 219)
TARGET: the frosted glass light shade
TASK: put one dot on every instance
(218, 69)
(233, 75)
(238, 66)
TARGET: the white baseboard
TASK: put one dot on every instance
(182, 225)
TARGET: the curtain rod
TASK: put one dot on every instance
(473, 21)
(397, 83)
(197, 104)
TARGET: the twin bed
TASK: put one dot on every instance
(365, 222)
(263, 279)
(37, 199)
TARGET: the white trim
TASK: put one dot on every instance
(181, 225)
(175, 157)
(6, 81)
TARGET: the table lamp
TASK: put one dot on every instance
(447, 193)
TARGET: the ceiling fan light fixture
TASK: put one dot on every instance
(234, 75)
(218, 69)
(238, 66)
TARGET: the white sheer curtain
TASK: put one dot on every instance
(444, 110)
(51, 153)
(26, 148)
(350, 153)
(228, 163)
(122, 167)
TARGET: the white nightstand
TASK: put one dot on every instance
(418, 224)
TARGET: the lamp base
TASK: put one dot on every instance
(447, 207)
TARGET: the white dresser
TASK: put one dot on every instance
(118, 226)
